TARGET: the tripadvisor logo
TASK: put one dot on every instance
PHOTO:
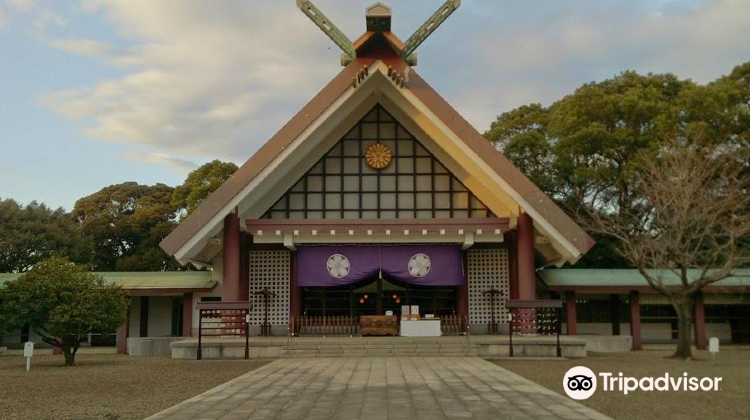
(580, 383)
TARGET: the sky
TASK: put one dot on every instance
(97, 92)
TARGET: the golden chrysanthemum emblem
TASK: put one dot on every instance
(378, 156)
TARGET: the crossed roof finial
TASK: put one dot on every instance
(378, 18)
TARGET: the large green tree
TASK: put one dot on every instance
(581, 149)
(200, 183)
(34, 232)
(125, 223)
(63, 303)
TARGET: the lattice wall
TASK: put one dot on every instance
(270, 269)
(488, 269)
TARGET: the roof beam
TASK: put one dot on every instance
(325, 24)
(429, 26)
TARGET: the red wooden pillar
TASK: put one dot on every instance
(635, 320)
(187, 315)
(570, 312)
(122, 338)
(295, 294)
(700, 322)
(525, 258)
(230, 286)
(462, 295)
(123, 332)
(512, 266)
(244, 290)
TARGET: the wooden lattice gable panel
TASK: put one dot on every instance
(343, 185)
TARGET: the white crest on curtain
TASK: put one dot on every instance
(338, 265)
(419, 265)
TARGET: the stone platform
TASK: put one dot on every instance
(487, 346)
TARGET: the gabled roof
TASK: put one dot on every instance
(148, 280)
(609, 279)
(529, 197)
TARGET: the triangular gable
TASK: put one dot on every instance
(413, 184)
(428, 110)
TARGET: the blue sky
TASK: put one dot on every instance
(96, 92)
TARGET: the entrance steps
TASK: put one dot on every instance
(381, 347)
(487, 346)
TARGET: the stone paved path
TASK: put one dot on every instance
(373, 388)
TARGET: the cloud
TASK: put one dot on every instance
(216, 79)
(3, 18)
(181, 166)
(20, 5)
(539, 54)
(203, 79)
(45, 17)
(41, 15)
(83, 47)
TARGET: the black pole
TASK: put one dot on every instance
(247, 334)
(510, 332)
(559, 327)
(200, 332)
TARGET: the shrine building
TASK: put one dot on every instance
(376, 195)
(377, 209)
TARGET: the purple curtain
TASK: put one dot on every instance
(340, 265)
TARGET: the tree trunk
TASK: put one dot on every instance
(683, 309)
(70, 358)
(69, 352)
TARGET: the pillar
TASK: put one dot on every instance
(512, 266)
(635, 320)
(525, 258)
(230, 286)
(244, 290)
(570, 312)
(700, 322)
(187, 315)
(295, 294)
(462, 294)
(614, 313)
(123, 331)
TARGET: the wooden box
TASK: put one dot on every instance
(378, 325)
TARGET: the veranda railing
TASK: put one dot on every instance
(324, 326)
(534, 318)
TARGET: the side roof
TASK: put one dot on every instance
(530, 193)
(626, 278)
(147, 280)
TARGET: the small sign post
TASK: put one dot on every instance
(713, 346)
(28, 351)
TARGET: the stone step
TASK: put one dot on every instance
(303, 354)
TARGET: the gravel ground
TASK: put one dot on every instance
(730, 402)
(106, 386)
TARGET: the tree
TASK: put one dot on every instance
(200, 183)
(34, 232)
(63, 303)
(580, 150)
(125, 223)
(691, 221)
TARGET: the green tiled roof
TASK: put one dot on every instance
(597, 277)
(144, 280)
